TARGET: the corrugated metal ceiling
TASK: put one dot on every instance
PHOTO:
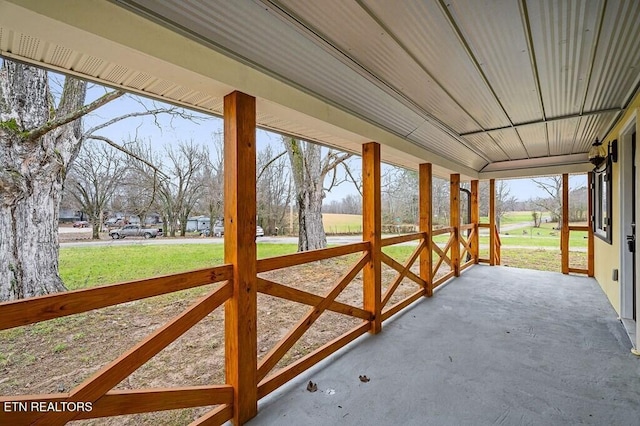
(476, 82)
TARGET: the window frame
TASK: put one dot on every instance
(601, 221)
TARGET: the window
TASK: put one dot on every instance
(601, 202)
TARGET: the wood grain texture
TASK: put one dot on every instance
(280, 349)
(564, 235)
(372, 232)
(403, 273)
(475, 220)
(442, 231)
(390, 241)
(286, 261)
(492, 222)
(241, 341)
(288, 293)
(425, 179)
(276, 380)
(215, 417)
(399, 267)
(29, 311)
(112, 374)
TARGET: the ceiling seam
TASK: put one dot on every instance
(474, 60)
(550, 120)
(395, 93)
(395, 38)
(596, 43)
(524, 14)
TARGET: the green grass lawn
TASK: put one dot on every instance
(82, 267)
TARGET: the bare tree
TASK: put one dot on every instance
(504, 200)
(274, 190)
(181, 191)
(553, 203)
(93, 179)
(309, 170)
(212, 199)
(40, 139)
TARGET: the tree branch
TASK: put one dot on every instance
(270, 162)
(128, 152)
(50, 125)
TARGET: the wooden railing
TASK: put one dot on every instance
(469, 247)
(269, 381)
(404, 271)
(99, 389)
(567, 267)
(444, 255)
(497, 244)
(108, 401)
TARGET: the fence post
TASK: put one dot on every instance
(372, 232)
(240, 251)
(564, 236)
(426, 225)
(475, 220)
(492, 222)
(454, 213)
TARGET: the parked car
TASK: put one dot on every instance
(133, 231)
(81, 224)
(218, 230)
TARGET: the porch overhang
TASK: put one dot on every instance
(431, 86)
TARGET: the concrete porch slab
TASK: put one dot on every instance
(496, 346)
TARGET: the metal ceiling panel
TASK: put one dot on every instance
(257, 35)
(561, 136)
(590, 128)
(484, 143)
(563, 34)
(510, 142)
(443, 144)
(495, 34)
(616, 70)
(534, 138)
(349, 28)
(423, 30)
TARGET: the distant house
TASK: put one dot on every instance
(69, 215)
(198, 223)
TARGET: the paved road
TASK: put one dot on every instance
(333, 240)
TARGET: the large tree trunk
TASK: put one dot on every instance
(308, 179)
(33, 163)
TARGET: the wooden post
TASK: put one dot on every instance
(492, 222)
(590, 249)
(564, 236)
(240, 251)
(426, 225)
(475, 219)
(454, 214)
(372, 232)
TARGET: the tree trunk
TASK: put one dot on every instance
(308, 179)
(33, 163)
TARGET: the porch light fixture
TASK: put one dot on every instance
(597, 153)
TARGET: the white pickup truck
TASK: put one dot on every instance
(133, 231)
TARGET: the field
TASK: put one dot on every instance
(342, 223)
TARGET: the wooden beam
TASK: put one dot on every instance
(372, 232)
(454, 214)
(590, 248)
(564, 235)
(492, 222)
(475, 220)
(294, 259)
(426, 224)
(241, 342)
(36, 309)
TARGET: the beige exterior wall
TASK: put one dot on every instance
(607, 257)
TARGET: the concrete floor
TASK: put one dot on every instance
(496, 346)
